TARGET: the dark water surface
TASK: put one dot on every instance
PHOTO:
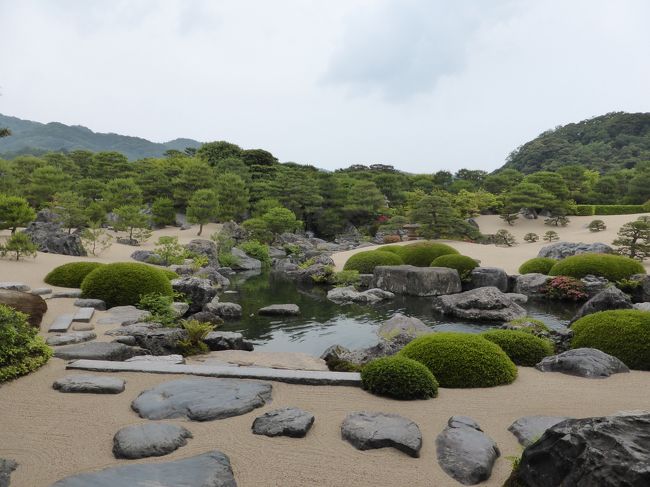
(323, 323)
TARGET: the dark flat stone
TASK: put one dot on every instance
(61, 323)
(583, 362)
(70, 338)
(94, 384)
(149, 440)
(291, 422)
(367, 431)
(98, 351)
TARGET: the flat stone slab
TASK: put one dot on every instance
(212, 469)
(98, 351)
(202, 399)
(72, 293)
(84, 315)
(15, 286)
(41, 291)
(291, 422)
(93, 384)
(280, 310)
(367, 431)
(69, 338)
(61, 323)
(123, 315)
(149, 440)
(97, 304)
(529, 429)
(6, 467)
(583, 362)
(167, 359)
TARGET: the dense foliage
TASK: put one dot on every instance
(421, 254)
(462, 263)
(365, 262)
(400, 378)
(540, 265)
(523, 348)
(612, 267)
(565, 288)
(71, 274)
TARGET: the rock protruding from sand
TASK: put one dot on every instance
(97, 304)
(93, 384)
(32, 305)
(368, 430)
(583, 362)
(292, 422)
(123, 315)
(481, 304)
(149, 440)
(417, 281)
(70, 338)
(529, 429)
(98, 351)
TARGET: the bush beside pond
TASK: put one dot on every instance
(400, 378)
(421, 254)
(522, 348)
(365, 262)
(70, 275)
(611, 267)
(539, 265)
(462, 263)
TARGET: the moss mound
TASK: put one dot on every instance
(22, 350)
(625, 334)
(72, 274)
(400, 378)
(522, 348)
(123, 283)
(461, 263)
(365, 262)
(612, 267)
(462, 360)
(539, 265)
(421, 254)
(171, 275)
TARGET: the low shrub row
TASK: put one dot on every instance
(420, 254)
(612, 267)
(71, 275)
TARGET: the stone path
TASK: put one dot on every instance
(70, 338)
(61, 323)
(292, 422)
(94, 384)
(84, 315)
(149, 440)
(367, 431)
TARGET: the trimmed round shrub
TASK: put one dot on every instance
(421, 254)
(72, 274)
(539, 265)
(123, 283)
(625, 334)
(522, 348)
(395, 249)
(365, 262)
(22, 350)
(462, 360)
(611, 267)
(461, 263)
(400, 378)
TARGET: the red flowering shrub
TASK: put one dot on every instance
(564, 287)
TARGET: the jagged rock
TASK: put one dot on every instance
(92, 384)
(529, 429)
(182, 269)
(489, 277)
(160, 341)
(206, 317)
(583, 362)
(227, 340)
(292, 422)
(98, 351)
(198, 291)
(15, 286)
(481, 304)
(244, 262)
(351, 295)
(236, 232)
(464, 452)
(203, 247)
(180, 308)
(30, 304)
(365, 280)
(560, 250)
(367, 431)
(47, 234)
(401, 324)
(129, 330)
(594, 284)
(417, 281)
(97, 304)
(531, 285)
(226, 310)
(610, 451)
(69, 338)
(146, 256)
(124, 315)
(518, 298)
(214, 275)
(6, 467)
(610, 298)
(126, 340)
(149, 440)
(280, 310)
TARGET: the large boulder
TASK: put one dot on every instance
(399, 324)
(146, 256)
(417, 281)
(610, 451)
(583, 362)
(32, 305)
(70, 338)
(531, 285)
(214, 274)
(149, 440)
(244, 262)
(528, 429)
(489, 277)
(610, 298)
(203, 247)
(349, 294)
(560, 250)
(369, 430)
(47, 234)
(160, 341)
(481, 304)
(198, 291)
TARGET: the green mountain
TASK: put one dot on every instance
(29, 137)
(616, 140)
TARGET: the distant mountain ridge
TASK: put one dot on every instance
(28, 137)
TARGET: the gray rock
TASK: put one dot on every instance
(123, 315)
(244, 262)
(518, 298)
(135, 328)
(83, 326)
(583, 362)
(642, 306)
(198, 291)
(15, 286)
(180, 308)
(280, 310)
(126, 340)
(291, 422)
(227, 340)
(465, 453)
(481, 304)
(367, 431)
(72, 293)
(489, 277)
(69, 338)
(41, 291)
(529, 429)
(167, 359)
(402, 324)
(530, 285)
(98, 351)
(610, 451)
(214, 274)
(33, 306)
(349, 294)
(594, 284)
(181, 269)
(560, 250)
(160, 341)
(149, 440)
(93, 384)
(210, 469)
(365, 280)
(50, 237)
(202, 399)
(146, 256)
(229, 311)
(417, 281)
(206, 317)
(97, 304)
(610, 298)
(203, 247)
(6, 467)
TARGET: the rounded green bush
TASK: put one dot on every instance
(395, 249)
(462, 360)
(72, 274)
(539, 265)
(625, 334)
(365, 262)
(171, 275)
(421, 254)
(522, 348)
(123, 283)
(461, 263)
(612, 267)
(399, 377)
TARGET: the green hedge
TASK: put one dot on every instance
(585, 210)
(365, 262)
(462, 360)
(625, 334)
(462, 263)
(421, 254)
(620, 209)
(72, 274)
(540, 265)
(399, 377)
(123, 283)
(612, 267)
(22, 350)
(522, 348)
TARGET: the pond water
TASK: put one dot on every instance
(323, 323)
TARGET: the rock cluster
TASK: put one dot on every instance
(481, 304)
(560, 250)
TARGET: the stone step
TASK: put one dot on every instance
(308, 377)
(61, 323)
(84, 314)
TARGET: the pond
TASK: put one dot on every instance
(323, 323)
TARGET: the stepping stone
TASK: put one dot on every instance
(464, 452)
(98, 351)
(93, 384)
(167, 359)
(41, 291)
(529, 429)
(124, 315)
(69, 338)
(202, 399)
(61, 323)
(72, 293)
(583, 362)
(280, 310)
(15, 286)
(132, 330)
(291, 422)
(212, 469)
(98, 304)
(149, 440)
(367, 431)
(80, 326)
(84, 315)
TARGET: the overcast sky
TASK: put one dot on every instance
(420, 84)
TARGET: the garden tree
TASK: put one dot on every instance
(557, 220)
(213, 152)
(23, 168)
(530, 196)
(471, 204)
(597, 226)
(257, 157)
(202, 208)
(122, 192)
(8, 181)
(531, 237)
(232, 196)
(438, 218)
(90, 189)
(95, 239)
(234, 165)
(170, 251)
(609, 188)
(82, 159)
(63, 162)
(281, 220)
(469, 179)
(442, 179)
(171, 153)
(264, 205)
(551, 182)
(502, 181)
(423, 182)
(506, 216)
(575, 177)
(45, 182)
(190, 151)
(70, 210)
(162, 212)
(363, 202)
(195, 175)
(155, 177)
(297, 190)
(19, 245)
(95, 212)
(134, 222)
(15, 212)
(392, 185)
(551, 236)
(106, 166)
(505, 238)
(634, 240)
(639, 188)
